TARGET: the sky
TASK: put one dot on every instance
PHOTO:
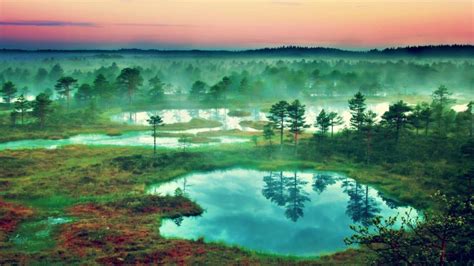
(233, 24)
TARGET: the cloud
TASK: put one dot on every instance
(46, 23)
(152, 25)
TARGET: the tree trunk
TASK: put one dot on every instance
(68, 95)
(442, 256)
(281, 134)
(129, 95)
(154, 140)
(368, 147)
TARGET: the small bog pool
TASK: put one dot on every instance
(286, 213)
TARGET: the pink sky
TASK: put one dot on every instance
(233, 24)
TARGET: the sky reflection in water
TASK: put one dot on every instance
(303, 213)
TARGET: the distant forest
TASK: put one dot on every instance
(410, 51)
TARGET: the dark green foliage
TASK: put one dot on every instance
(296, 119)
(198, 90)
(368, 129)
(416, 117)
(396, 118)
(323, 122)
(334, 120)
(156, 91)
(268, 132)
(357, 106)
(64, 86)
(8, 91)
(129, 80)
(41, 75)
(56, 72)
(155, 121)
(441, 237)
(441, 104)
(103, 89)
(219, 90)
(41, 108)
(85, 93)
(21, 107)
(278, 116)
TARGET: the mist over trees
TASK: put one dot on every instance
(147, 78)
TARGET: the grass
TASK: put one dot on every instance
(104, 187)
(8, 133)
(238, 113)
(253, 124)
(195, 123)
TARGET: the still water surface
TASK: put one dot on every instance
(288, 213)
(135, 138)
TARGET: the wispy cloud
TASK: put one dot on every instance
(46, 23)
(152, 25)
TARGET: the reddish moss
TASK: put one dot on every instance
(11, 214)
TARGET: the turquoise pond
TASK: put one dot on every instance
(299, 213)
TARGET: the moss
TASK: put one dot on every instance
(253, 124)
(238, 113)
(199, 139)
(103, 187)
(194, 123)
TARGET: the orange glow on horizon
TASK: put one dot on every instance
(209, 23)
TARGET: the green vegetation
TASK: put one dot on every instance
(418, 147)
(238, 113)
(194, 123)
(253, 124)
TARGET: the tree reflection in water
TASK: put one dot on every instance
(289, 192)
(361, 207)
(286, 191)
(180, 191)
(322, 181)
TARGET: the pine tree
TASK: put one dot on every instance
(41, 108)
(102, 88)
(278, 116)
(296, 119)
(21, 107)
(441, 102)
(156, 91)
(154, 121)
(335, 120)
(357, 106)
(370, 120)
(268, 132)
(65, 86)
(129, 80)
(415, 118)
(323, 122)
(8, 91)
(396, 117)
(426, 114)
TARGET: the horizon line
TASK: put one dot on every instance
(357, 50)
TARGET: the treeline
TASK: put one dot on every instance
(248, 79)
(457, 50)
(403, 136)
(428, 142)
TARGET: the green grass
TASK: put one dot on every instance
(195, 123)
(54, 181)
